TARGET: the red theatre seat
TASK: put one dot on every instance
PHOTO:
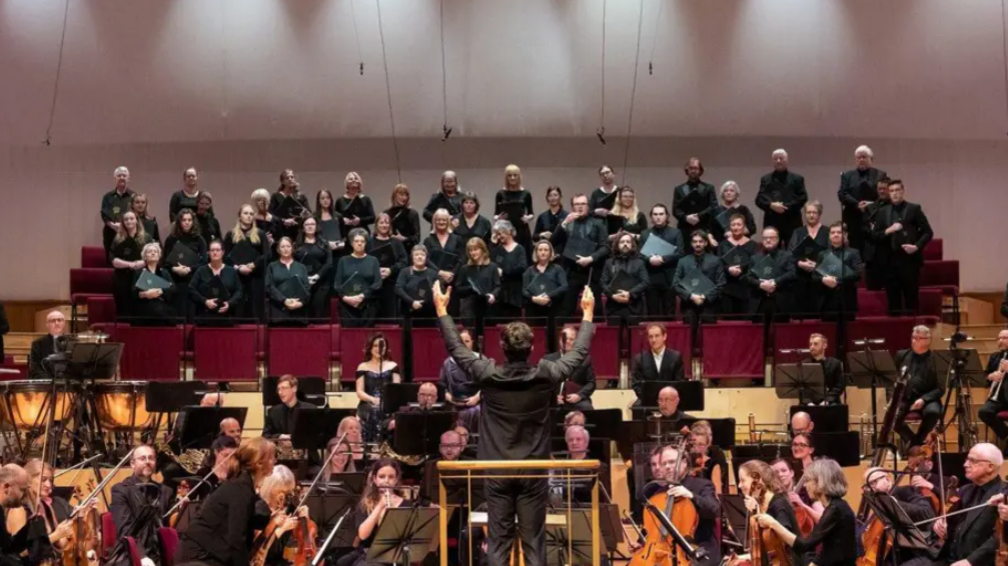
(168, 540)
(935, 250)
(108, 533)
(352, 342)
(732, 349)
(605, 352)
(150, 353)
(930, 308)
(429, 354)
(795, 335)
(8, 363)
(87, 282)
(298, 351)
(492, 346)
(872, 303)
(677, 338)
(93, 256)
(100, 309)
(943, 275)
(226, 354)
(895, 330)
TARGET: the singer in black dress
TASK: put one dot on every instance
(547, 222)
(216, 282)
(153, 307)
(252, 269)
(124, 253)
(184, 232)
(392, 259)
(288, 218)
(404, 220)
(286, 307)
(478, 286)
(313, 251)
(470, 223)
(354, 207)
(514, 196)
(356, 307)
(510, 258)
(543, 305)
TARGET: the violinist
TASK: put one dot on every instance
(55, 512)
(910, 499)
(214, 469)
(276, 493)
(708, 460)
(138, 505)
(222, 532)
(802, 449)
(966, 539)
(765, 493)
(702, 494)
(378, 497)
(836, 531)
(807, 511)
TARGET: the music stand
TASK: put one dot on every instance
(722, 430)
(827, 418)
(418, 433)
(85, 362)
(691, 394)
(762, 452)
(404, 535)
(171, 396)
(898, 524)
(576, 537)
(798, 381)
(202, 425)
(326, 508)
(972, 369)
(844, 447)
(345, 482)
(308, 387)
(314, 427)
(600, 423)
(869, 369)
(395, 396)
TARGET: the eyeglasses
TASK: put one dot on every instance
(799, 445)
(975, 461)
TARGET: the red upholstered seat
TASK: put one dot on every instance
(134, 552)
(872, 303)
(930, 308)
(298, 351)
(93, 256)
(943, 275)
(492, 346)
(677, 338)
(605, 352)
(168, 540)
(935, 250)
(87, 282)
(895, 330)
(100, 309)
(795, 335)
(732, 349)
(1003, 415)
(108, 533)
(8, 363)
(226, 354)
(429, 354)
(352, 342)
(913, 417)
(150, 354)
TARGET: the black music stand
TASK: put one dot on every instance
(898, 525)
(314, 427)
(972, 371)
(406, 534)
(722, 430)
(326, 508)
(309, 388)
(827, 418)
(600, 423)
(691, 394)
(418, 433)
(85, 362)
(870, 369)
(763, 452)
(395, 396)
(576, 537)
(844, 447)
(799, 381)
(202, 425)
(171, 396)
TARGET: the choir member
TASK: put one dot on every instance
(460, 390)
(13, 493)
(923, 391)
(373, 374)
(625, 216)
(138, 504)
(904, 228)
(287, 286)
(839, 290)
(413, 288)
(857, 191)
(703, 496)
(288, 216)
(514, 200)
(826, 483)
(127, 261)
(392, 259)
(782, 197)
(187, 196)
(247, 248)
(378, 497)
(658, 363)
(835, 384)
(694, 201)
(329, 222)
(448, 197)
(470, 223)
(736, 252)
(547, 222)
(697, 308)
(405, 221)
(313, 251)
(264, 219)
(478, 285)
(805, 245)
(544, 284)
(222, 531)
(771, 278)
(659, 298)
(45, 345)
(875, 256)
(216, 288)
(114, 204)
(583, 377)
(912, 503)
(181, 263)
(354, 206)
(624, 280)
(708, 457)
(445, 249)
(140, 205)
(997, 399)
(209, 227)
(759, 478)
(729, 194)
(511, 260)
(972, 539)
(583, 241)
(358, 280)
(153, 306)
(602, 199)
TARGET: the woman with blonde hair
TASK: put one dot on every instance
(514, 204)
(247, 249)
(478, 285)
(392, 259)
(354, 206)
(127, 260)
(449, 197)
(625, 216)
(264, 219)
(152, 306)
(404, 220)
(543, 283)
(445, 253)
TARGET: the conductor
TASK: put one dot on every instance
(514, 424)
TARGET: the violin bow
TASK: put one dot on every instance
(325, 467)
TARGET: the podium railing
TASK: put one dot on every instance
(566, 471)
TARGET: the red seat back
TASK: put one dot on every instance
(108, 533)
(226, 354)
(895, 330)
(677, 338)
(90, 281)
(935, 250)
(732, 349)
(492, 346)
(429, 354)
(930, 305)
(943, 274)
(134, 552)
(8, 363)
(93, 256)
(298, 351)
(100, 309)
(604, 351)
(168, 540)
(872, 303)
(795, 335)
(150, 354)
(352, 342)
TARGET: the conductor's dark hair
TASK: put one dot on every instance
(691, 160)
(516, 341)
(223, 442)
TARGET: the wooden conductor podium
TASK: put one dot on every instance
(560, 472)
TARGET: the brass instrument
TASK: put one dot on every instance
(191, 460)
(865, 428)
(995, 388)
(752, 428)
(385, 450)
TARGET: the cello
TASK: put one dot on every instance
(657, 549)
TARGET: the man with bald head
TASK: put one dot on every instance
(781, 197)
(427, 396)
(13, 490)
(857, 191)
(972, 542)
(138, 504)
(801, 423)
(231, 427)
(45, 345)
(668, 407)
(910, 499)
(997, 367)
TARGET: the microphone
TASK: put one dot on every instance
(601, 135)
(447, 132)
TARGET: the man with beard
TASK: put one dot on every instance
(696, 307)
(624, 280)
(659, 299)
(583, 241)
(693, 202)
(904, 229)
(857, 191)
(138, 503)
(782, 197)
(838, 278)
(835, 384)
(772, 273)
(13, 491)
(875, 256)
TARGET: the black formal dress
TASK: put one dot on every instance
(704, 203)
(180, 200)
(578, 277)
(277, 277)
(478, 227)
(454, 207)
(710, 265)
(537, 315)
(659, 298)
(317, 258)
(547, 221)
(806, 293)
(584, 376)
(209, 227)
(363, 208)
(223, 530)
(512, 265)
(522, 233)
(154, 312)
(386, 305)
(834, 538)
(787, 188)
(737, 294)
(183, 307)
(990, 409)
(372, 417)
(644, 368)
(137, 509)
(633, 266)
(923, 383)
(113, 205)
(474, 305)
(775, 305)
(206, 285)
(298, 214)
(151, 228)
(515, 425)
(454, 245)
(721, 221)
(841, 300)
(903, 270)
(857, 185)
(407, 280)
(253, 284)
(367, 282)
(129, 250)
(405, 223)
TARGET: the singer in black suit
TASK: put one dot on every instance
(584, 375)
(876, 256)
(781, 197)
(586, 271)
(694, 202)
(857, 191)
(657, 363)
(904, 229)
(923, 391)
(771, 293)
(997, 367)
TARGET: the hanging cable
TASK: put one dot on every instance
(388, 91)
(59, 67)
(650, 64)
(1004, 51)
(600, 132)
(445, 130)
(633, 93)
(360, 56)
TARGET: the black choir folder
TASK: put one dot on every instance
(738, 256)
(830, 266)
(289, 208)
(615, 223)
(243, 253)
(352, 286)
(692, 202)
(723, 220)
(696, 283)
(385, 254)
(147, 281)
(295, 288)
(808, 248)
(181, 254)
(215, 288)
(512, 212)
(578, 246)
(330, 230)
(607, 201)
(766, 268)
(419, 288)
(622, 282)
(655, 245)
(441, 201)
(442, 260)
(542, 285)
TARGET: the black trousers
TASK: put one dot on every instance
(902, 285)
(806, 296)
(660, 300)
(386, 304)
(988, 415)
(526, 498)
(930, 415)
(735, 307)
(875, 275)
(362, 317)
(318, 303)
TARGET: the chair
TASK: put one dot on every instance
(298, 351)
(108, 534)
(168, 540)
(8, 363)
(872, 303)
(150, 353)
(604, 353)
(86, 282)
(93, 256)
(134, 552)
(930, 306)
(226, 354)
(492, 346)
(351, 346)
(677, 338)
(895, 330)
(935, 250)
(722, 356)
(100, 309)
(429, 354)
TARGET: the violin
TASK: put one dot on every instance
(764, 547)
(919, 455)
(82, 547)
(303, 547)
(264, 539)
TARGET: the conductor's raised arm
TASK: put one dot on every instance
(477, 368)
